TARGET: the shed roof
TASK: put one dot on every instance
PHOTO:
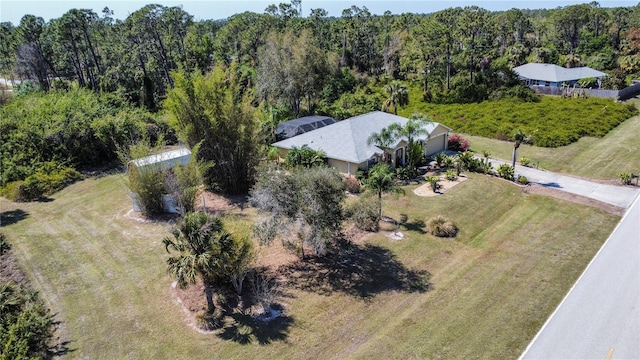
(555, 73)
(302, 125)
(166, 160)
(346, 140)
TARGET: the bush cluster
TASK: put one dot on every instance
(48, 179)
(352, 184)
(441, 227)
(458, 143)
(552, 122)
(505, 171)
(77, 128)
(363, 212)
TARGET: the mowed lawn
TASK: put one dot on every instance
(488, 293)
(598, 158)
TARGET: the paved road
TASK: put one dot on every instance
(611, 194)
(600, 316)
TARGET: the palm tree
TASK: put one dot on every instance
(398, 95)
(197, 238)
(380, 180)
(519, 138)
(414, 127)
(383, 140)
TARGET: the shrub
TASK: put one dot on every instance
(147, 183)
(4, 244)
(407, 173)
(625, 178)
(522, 180)
(352, 184)
(49, 178)
(441, 227)
(305, 157)
(505, 171)
(433, 181)
(364, 213)
(440, 159)
(525, 161)
(451, 175)
(458, 143)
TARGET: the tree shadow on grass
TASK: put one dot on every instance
(361, 271)
(13, 216)
(416, 225)
(245, 329)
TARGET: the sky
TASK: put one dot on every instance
(13, 10)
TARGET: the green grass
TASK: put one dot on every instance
(490, 289)
(599, 158)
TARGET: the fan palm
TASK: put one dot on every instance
(197, 238)
(398, 96)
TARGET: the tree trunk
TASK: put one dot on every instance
(208, 293)
(380, 205)
(515, 150)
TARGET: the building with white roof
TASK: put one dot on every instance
(345, 142)
(554, 75)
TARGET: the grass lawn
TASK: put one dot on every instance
(489, 290)
(598, 158)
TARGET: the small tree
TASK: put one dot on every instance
(304, 207)
(380, 180)
(203, 248)
(398, 96)
(519, 138)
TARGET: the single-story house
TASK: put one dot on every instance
(295, 127)
(554, 75)
(345, 142)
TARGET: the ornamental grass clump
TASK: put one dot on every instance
(441, 227)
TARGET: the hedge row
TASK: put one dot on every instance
(552, 122)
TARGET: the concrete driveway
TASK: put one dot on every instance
(621, 196)
(600, 316)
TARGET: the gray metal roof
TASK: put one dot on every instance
(347, 139)
(555, 73)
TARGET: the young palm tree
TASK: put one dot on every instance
(519, 138)
(398, 95)
(197, 238)
(413, 128)
(383, 140)
(380, 180)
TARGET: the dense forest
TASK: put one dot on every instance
(91, 84)
(305, 64)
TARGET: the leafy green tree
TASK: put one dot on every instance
(211, 109)
(205, 251)
(398, 96)
(381, 180)
(304, 207)
(292, 69)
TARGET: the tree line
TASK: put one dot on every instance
(300, 62)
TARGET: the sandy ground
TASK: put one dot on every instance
(425, 190)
